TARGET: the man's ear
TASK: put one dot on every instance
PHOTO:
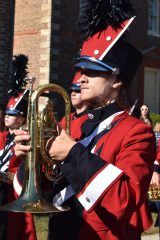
(117, 84)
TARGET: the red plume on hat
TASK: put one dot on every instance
(103, 25)
(17, 104)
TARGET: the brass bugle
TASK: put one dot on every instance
(31, 199)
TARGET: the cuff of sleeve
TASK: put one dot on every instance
(97, 187)
(80, 166)
(73, 152)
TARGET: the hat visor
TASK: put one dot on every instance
(93, 64)
(75, 87)
(13, 112)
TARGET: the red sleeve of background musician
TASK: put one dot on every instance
(3, 139)
(75, 125)
(62, 123)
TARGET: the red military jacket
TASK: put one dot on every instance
(13, 162)
(109, 179)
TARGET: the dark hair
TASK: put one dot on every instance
(125, 97)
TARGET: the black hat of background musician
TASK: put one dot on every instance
(18, 105)
(104, 49)
(18, 96)
(75, 86)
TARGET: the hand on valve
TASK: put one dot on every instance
(57, 147)
(21, 137)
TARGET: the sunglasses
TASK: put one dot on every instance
(75, 90)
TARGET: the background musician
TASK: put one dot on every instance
(15, 117)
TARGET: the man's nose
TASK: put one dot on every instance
(83, 78)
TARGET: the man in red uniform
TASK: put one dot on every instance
(76, 101)
(110, 167)
(79, 115)
(8, 165)
(15, 117)
(109, 170)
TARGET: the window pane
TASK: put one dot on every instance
(153, 18)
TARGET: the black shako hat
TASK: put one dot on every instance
(105, 49)
(18, 106)
(123, 59)
(18, 95)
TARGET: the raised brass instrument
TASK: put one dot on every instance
(31, 199)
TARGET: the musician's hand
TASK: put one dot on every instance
(21, 138)
(59, 147)
(155, 178)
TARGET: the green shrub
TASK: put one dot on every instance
(155, 117)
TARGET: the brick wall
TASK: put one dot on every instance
(64, 41)
(32, 36)
(46, 32)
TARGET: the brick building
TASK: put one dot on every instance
(45, 30)
(146, 36)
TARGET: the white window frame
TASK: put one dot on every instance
(155, 32)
